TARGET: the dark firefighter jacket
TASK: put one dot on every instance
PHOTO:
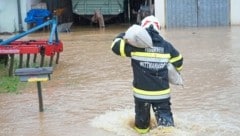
(149, 65)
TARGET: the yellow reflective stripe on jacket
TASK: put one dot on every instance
(143, 92)
(116, 40)
(150, 59)
(172, 60)
(179, 68)
(142, 131)
(153, 55)
(152, 97)
(122, 48)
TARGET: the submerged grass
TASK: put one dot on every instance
(7, 83)
(12, 84)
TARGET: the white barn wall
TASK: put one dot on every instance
(160, 11)
(235, 10)
(9, 14)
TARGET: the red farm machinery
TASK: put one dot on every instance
(51, 47)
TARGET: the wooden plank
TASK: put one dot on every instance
(33, 71)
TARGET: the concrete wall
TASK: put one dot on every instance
(235, 10)
(9, 14)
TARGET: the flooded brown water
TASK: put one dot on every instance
(90, 90)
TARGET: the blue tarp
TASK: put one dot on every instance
(37, 16)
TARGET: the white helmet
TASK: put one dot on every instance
(151, 20)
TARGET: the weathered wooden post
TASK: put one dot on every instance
(35, 75)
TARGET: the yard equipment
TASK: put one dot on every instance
(48, 47)
(35, 75)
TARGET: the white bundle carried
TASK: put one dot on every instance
(173, 76)
(138, 37)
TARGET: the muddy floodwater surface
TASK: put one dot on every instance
(89, 93)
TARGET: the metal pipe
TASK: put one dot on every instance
(40, 96)
(50, 40)
(20, 60)
(57, 58)
(53, 31)
(28, 59)
(35, 58)
(42, 53)
(18, 36)
(11, 65)
(20, 25)
(51, 60)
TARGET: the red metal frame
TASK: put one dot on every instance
(32, 47)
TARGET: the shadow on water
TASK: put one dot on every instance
(90, 90)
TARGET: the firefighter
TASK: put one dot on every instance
(150, 75)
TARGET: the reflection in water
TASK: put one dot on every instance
(90, 91)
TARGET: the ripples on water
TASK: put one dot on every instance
(90, 91)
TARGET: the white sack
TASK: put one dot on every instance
(173, 75)
(138, 37)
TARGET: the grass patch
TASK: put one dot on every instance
(7, 84)
(12, 84)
